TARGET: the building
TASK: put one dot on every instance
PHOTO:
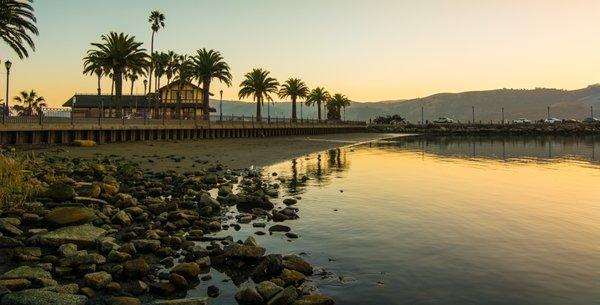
(167, 102)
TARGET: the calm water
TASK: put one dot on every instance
(449, 221)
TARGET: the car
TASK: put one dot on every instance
(521, 121)
(552, 120)
(444, 121)
(591, 120)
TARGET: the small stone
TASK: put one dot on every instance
(61, 192)
(178, 280)
(212, 291)
(279, 228)
(136, 268)
(97, 280)
(292, 277)
(268, 289)
(162, 289)
(287, 296)
(189, 271)
(289, 201)
(66, 250)
(249, 296)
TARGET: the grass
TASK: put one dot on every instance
(15, 187)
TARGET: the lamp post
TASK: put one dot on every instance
(473, 113)
(7, 64)
(145, 86)
(221, 106)
(73, 110)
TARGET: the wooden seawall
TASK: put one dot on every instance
(119, 130)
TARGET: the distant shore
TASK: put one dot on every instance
(236, 153)
(489, 129)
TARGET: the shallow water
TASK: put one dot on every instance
(448, 221)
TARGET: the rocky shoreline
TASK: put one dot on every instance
(490, 129)
(104, 231)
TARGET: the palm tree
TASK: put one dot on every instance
(317, 96)
(293, 88)
(119, 53)
(184, 68)
(259, 85)
(93, 65)
(157, 21)
(208, 65)
(17, 24)
(335, 104)
(29, 102)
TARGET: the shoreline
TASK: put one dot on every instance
(237, 153)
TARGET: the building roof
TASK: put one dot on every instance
(95, 101)
(175, 83)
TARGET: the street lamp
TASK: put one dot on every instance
(145, 86)
(221, 107)
(7, 64)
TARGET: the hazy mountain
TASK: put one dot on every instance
(517, 103)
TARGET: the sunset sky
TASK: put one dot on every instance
(370, 50)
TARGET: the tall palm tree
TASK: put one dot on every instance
(208, 65)
(119, 53)
(335, 104)
(260, 86)
(184, 68)
(93, 65)
(17, 24)
(294, 88)
(317, 97)
(29, 102)
(157, 21)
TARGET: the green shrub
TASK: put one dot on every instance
(15, 183)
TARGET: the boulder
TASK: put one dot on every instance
(279, 228)
(146, 245)
(292, 277)
(189, 271)
(121, 218)
(314, 299)
(124, 301)
(9, 227)
(61, 192)
(42, 297)
(249, 296)
(268, 289)
(97, 280)
(186, 301)
(285, 297)
(178, 281)
(15, 284)
(136, 268)
(162, 289)
(244, 251)
(91, 190)
(27, 272)
(82, 236)
(69, 216)
(295, 262)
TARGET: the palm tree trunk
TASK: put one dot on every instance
(151, 63)
(293, 108)
(205, 98)
(132, 84)
(258, 109)
(99, 89)
(319, 109)
(118, 83)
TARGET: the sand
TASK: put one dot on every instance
(234, 153)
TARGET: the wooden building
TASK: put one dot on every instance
(172, 101)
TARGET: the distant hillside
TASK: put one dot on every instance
(517, 103)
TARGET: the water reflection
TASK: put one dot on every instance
(584, 148)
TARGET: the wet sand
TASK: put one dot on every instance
(234, 153)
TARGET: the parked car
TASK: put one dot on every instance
(521, 121)
(444, 121)
(571, 121)
(552, 120)
(591, 120)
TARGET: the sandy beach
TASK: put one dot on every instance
(234, 153)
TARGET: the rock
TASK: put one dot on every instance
(162, 289)
(178, 281)
(66, 250)
(125, 201)
(81, 258)
(61, 192)
(212, 291)
(124, 301)
(287, 296)
(291, 235)
(97, 280)
(279, 228)
(188, 270)
(289, 201)
(88, 292)
(68, 288)
(69, 216)
(15, 284)
(295, 262)
(138, 287)
(42, 297)
(91, 190)
(26, 272)
(244, 251)
(249, 296)
(186, 301)
(314, 299)
(270, 265)
(292, 277)
(121, 218)
(82, 236)
(136, 268)
(8, 228)
(268, 289)
(9, 242)
(146, 245)
(116, 256)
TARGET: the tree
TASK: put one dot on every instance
(317, 97)
(93, 65)
(335, 104)
(119, 53)
(29, 102)
(17, 24)
(293, 88)
(260, 86)
(208, 65)
(185, 72)
(157, 21)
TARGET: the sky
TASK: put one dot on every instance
(369, 50)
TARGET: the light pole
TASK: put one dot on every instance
(73, 110)
(7, 64)
(221, 106)
(145, 86)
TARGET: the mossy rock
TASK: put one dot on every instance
(61, 192)
(42, 297)
(69, 216)
(82, 236)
